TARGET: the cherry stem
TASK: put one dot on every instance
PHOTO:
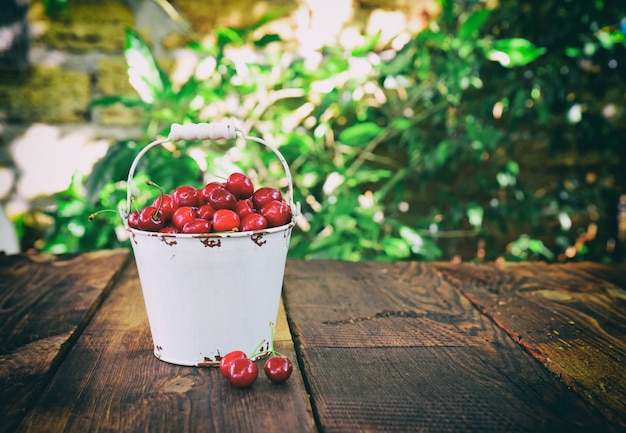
(95, 214)
(222, 178)
(257, 350)
(270, 348)
(273, 332)
(150, 183)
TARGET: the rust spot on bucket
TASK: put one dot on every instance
(211, 242)
(258, 239)
(209, 362)
(166, 241)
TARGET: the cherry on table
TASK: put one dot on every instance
(242, 372)
(228, 359)
(278, 368)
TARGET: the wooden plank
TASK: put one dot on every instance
(571, 320)
(394, 347)
(46, 301)
(111, 381)
(614, 273)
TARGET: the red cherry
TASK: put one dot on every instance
(228, 359)
(205, 211)
(182, 215)
(240, 185)
(277, 213)
(150, 219)
(221, 198)
(225, 220)
(242, 372)
(170, 230)
(244, 208)
(167, 207)
(197, 226)
(278, 369)
(253, 221)
(206, 190)
(264, 195)
(186, 196)
(133, 219)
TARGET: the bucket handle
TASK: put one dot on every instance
(206, 131)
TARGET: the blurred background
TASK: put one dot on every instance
(424, 130)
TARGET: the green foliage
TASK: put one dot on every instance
(56, 8)
(393, 154)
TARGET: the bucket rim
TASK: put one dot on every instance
(220, 235)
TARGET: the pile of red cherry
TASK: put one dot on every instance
(242, 371)
(233, 205)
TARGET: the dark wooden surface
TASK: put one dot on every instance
(399, 347)
(45, 302)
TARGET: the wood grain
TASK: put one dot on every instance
(394, 347)
(45, 301)
(111, 381)
(572, 318)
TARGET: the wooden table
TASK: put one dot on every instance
(400, 347)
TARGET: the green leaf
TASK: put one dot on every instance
(56, 8)
(227, 36)
(395, 249)
(420, 246)
(143, 72)
(170, 172)
(475, 214)
(368, 44)
(267, 39)
(400, 123)
(512, 167)
(113, 166)
(126, 101)
(187, 92)
(366, 175)
(473, 23)
(443, 152)
(360, 134)
(513, 52)
(402, 62)
(272, 14)
(448, 11)
(522, 246)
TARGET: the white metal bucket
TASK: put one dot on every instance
(209, 294)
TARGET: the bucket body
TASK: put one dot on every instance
(207, 295)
